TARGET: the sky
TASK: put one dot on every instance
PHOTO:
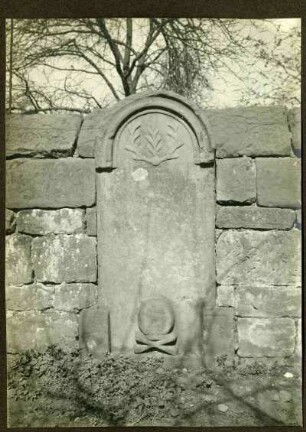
(227, 90)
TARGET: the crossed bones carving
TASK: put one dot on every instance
(159, 342)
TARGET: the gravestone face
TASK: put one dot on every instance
(156, 216)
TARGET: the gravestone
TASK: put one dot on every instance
(155, 224)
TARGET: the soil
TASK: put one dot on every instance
(152, 395)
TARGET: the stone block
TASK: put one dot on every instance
(63, 221)
(268, 301)
(218, 334)
(36, 330)
(49, 183)
(88, 132)
(163, 219)
(266, 337)
(260, 258)
(236, 180)
(41, 135)
(279, 182)
(94, 332)
(75, 297)
(252, 131)
(10, 222)
(255, 218)
(65, 258)
(18, 266)
(225, 296)
(91, 221)
(29, 297)
(294, 118)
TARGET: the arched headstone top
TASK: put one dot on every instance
(153, 128)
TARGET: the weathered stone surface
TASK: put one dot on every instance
(63, 221)
(294, 117)
(18, 266)
(279, 182)
(156, 217)
(10, 222)
(268, 301)
(236, 180)
(49, 183)
(75, 297)
(65, 258)
(298, 221)
(91, 221)
(96, 120)
(298, 348)
(42, 135)
(218, 334)
(254, 131)
(29, 297)
(155, 316)
(218, 232)
(88, 133)
(36, 330)
(255, 217)
(94, 332)
(264, 337)
(259, 258)
(168, 213)
(225, 296)
(166, 132)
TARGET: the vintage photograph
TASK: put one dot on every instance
(153, 222)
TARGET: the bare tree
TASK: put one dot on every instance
(87, 63)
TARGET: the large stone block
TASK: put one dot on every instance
(236, 180)
(43, 135)
(259, 258)
(255, 217)
(88, 133)
(253, 131)
(268, 301)
(91, 221)
(279, 182)
(294, 117)
(264, 337)
(36, 330)
(75, 297)
(218, 334)
(157, 230)
(63, 221)
(65, 258)
(29, 297)
(50, 183)
(18, 266)
(10, 222)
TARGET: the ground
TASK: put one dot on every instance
(60, 389)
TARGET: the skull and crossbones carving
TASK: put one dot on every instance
(156, 327)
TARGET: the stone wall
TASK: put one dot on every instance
(51, 260)
(258, 270)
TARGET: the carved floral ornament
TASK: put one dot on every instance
(150, 145)
(160, 145)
